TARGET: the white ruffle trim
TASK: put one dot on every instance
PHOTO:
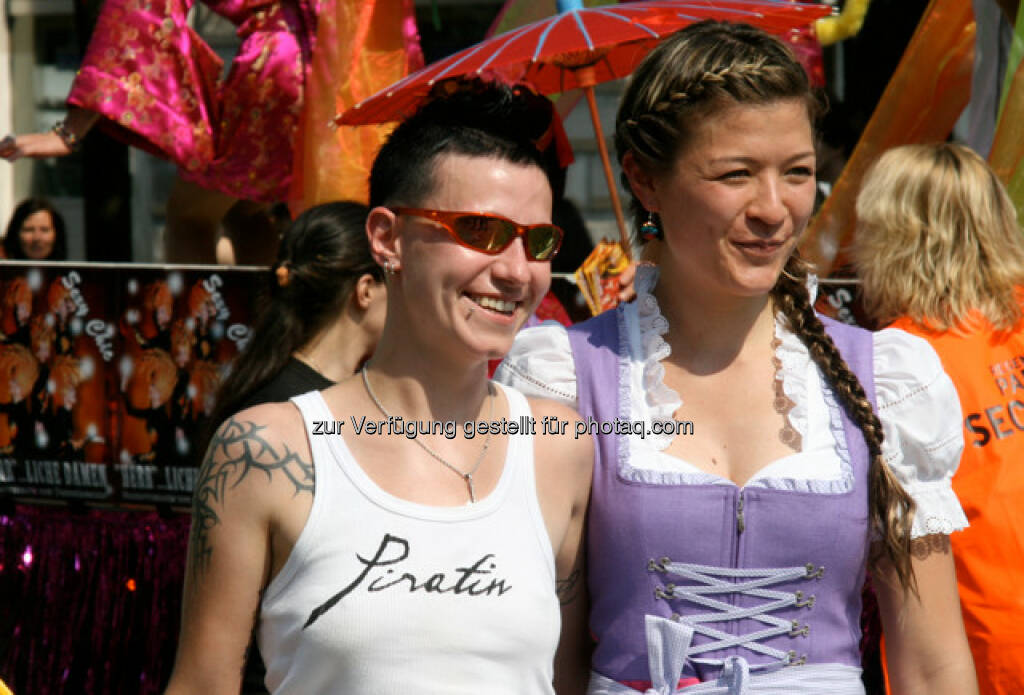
(797, 367)
(661, 401)
(641, 330)
(938, 510)
(793, 375)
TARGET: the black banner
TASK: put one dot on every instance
(108, 374)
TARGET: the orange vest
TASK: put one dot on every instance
(988, 372)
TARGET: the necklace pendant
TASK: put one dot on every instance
(472, 490)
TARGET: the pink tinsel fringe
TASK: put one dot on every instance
(89, 601)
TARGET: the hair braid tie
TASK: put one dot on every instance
(282, 274)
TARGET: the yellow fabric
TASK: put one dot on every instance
(923, 100)
(362, 46)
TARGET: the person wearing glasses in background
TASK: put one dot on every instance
(371, 561)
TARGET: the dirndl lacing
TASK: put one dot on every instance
(708, 582)
(670, 640)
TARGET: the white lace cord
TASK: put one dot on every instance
(712, 581)
(668, 643)
(736, 674)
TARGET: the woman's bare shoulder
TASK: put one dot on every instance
(257, 454)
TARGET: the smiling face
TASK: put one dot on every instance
(737, 198)
(474, 301)
(38, 235)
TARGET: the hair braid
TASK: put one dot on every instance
(703, 68)
(890, 508)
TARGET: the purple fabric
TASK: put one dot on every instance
(632, 523)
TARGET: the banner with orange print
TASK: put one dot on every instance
(924, 98)
(361, 47)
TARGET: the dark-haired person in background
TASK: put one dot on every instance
(323, 312)
(36, 232)
(321, 316)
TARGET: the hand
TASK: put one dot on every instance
(627, 292)
(34, 145)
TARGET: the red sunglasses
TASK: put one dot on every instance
(492, 234)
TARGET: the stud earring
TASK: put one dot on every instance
(650, 229)
(389, 268)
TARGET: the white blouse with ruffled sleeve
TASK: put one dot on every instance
(916, 403)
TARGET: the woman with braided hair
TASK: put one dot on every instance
(753, 459)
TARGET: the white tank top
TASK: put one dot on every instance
(381, 595)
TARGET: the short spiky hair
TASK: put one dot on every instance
(468, 117)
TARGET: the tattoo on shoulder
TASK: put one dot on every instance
(237, 449)
(568, 588)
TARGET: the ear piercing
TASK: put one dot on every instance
(650, 229)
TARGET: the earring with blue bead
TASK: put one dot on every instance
(650, 229)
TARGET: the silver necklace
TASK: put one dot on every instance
(468, 477)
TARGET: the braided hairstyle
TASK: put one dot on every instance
(690, 76)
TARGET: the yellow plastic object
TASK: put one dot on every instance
(831, 30)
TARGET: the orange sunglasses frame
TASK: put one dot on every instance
(446, 218)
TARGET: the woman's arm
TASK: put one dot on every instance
(925, 644)
(235, 504)
(50, 144)
(565, 468)
(572, 659)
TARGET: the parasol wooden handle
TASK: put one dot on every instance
(585, 76)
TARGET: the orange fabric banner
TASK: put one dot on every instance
(922, 101)
(361, 47)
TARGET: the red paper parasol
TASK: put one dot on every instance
(580, 48)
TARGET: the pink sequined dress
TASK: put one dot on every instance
(159, 87)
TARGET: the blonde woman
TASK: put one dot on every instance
(729, 557)
(940, 255)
